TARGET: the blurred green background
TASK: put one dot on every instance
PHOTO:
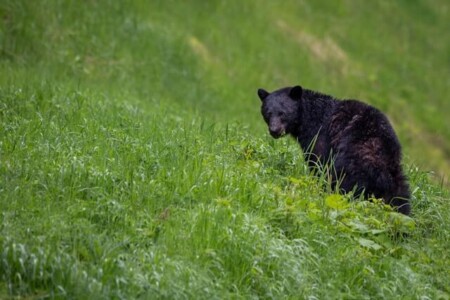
(211, 56)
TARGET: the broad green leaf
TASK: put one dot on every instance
(336, 201)
(369, 244)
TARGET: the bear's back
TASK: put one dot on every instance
(358, 127)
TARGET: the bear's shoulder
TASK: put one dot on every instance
(353, 118)
(345, 110)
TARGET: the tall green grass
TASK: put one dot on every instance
(134, 162)
(104, 199)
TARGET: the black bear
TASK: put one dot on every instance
(356, 137)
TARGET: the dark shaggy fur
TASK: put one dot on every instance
(357, 137)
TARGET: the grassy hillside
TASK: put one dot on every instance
(134, 162)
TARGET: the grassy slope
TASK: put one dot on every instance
(124, 172)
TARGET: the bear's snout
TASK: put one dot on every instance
(276, 132)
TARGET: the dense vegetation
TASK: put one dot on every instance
(134, 162)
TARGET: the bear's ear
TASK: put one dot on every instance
(262, 94)
(296, 93)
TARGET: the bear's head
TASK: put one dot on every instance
(280, 109)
